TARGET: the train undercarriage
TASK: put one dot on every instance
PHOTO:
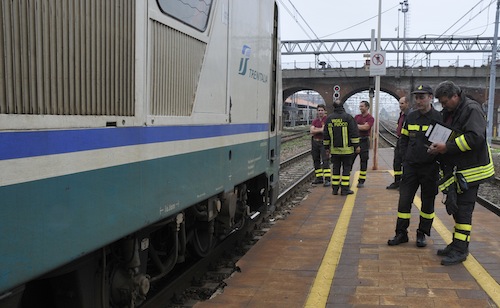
(123, 273)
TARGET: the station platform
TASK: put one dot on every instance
(332, 251)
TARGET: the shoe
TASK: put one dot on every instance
(421, 239)
(346, 192)
(318, 181)
(398, 239)
(445, 251)
(454, 257)
(327, 183)
(361, 185)
(394, 185)
(335, 190)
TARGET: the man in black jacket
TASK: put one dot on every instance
(341, 141)
(420, 168)
(466, 162)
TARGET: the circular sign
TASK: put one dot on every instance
(336, 88)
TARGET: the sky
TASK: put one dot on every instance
(336, 19)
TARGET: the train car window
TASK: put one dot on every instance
(192, 12)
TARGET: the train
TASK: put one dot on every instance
(298, 114)
(134, 135)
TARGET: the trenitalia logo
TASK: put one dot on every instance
(256, 75)
(246, 51)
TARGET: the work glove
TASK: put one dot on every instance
(451, 200)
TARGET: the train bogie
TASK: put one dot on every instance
(128, 129)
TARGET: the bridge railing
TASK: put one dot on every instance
(390, 63)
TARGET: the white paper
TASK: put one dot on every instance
(439, 134)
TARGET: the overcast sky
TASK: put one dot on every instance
(334, 19)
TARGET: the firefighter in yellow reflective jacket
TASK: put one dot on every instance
(465, 161)
(341, 141)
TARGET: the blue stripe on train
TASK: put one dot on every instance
(39, 143)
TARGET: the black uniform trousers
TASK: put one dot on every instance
(364, 145)
(343, 162)
(397, 163)
(320, 159)
(463, 218)
(415, 175)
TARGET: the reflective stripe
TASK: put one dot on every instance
(462, 143)
(398, 172)
(427, 216)
(462, 237)
(463, 227)
(404, 132)
(425, 128)
(414, 127)
(355, 140)
(404, 215)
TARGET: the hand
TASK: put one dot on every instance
(327, 153)
(437, 148)
(358, 149)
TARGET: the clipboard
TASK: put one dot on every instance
(440, 133)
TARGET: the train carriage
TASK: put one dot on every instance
(133, 134)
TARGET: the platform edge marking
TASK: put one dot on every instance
(481, 275)
(318, 295)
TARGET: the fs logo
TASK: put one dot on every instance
(246, 51)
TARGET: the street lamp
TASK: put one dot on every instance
(404, 9)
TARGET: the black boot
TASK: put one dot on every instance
(335, 190)
(318, 181)
(445, 251)
(398, 239)
(421, 239)
(454, 257)
(346, 192)
(394, 185)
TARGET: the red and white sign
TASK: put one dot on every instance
(378, 60)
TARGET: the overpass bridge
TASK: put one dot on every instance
(397, 82)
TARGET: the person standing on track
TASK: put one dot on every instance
(420, 168)
(465, 161)
(321, 160)
(365, 122)
(341, 141)
(404, 106)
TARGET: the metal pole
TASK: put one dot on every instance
(377, 93)
(493, 72)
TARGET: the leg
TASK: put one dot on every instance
(363, 157)
(327, 172)
(346, 173)
(397, 165)
(336, 163)
(408, 188)
(316, 154)
(459, 248)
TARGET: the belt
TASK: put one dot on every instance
(317, 139)
(364, 138)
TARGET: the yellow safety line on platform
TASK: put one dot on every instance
(483, 278)
(320, 289)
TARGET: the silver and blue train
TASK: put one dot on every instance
(133, 135)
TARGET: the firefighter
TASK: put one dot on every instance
(341, 141)
(404, 106)
(466, 162)
(420, 168)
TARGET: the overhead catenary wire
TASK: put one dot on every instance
(414, 58)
